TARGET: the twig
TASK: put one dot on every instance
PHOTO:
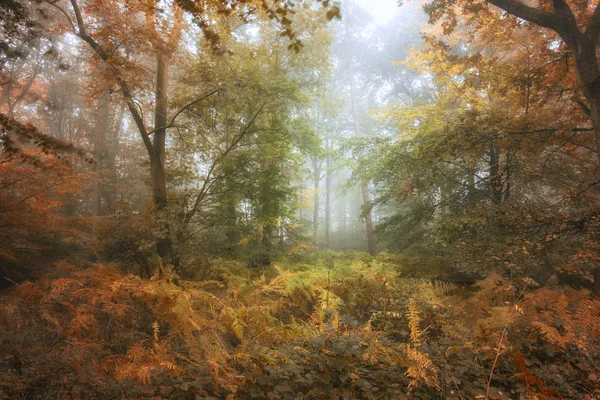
(207, 181)
(498, 352)
(170, 124)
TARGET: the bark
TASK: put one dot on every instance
(157, 161)
(507, 177)
(110, 162)
(364, 185)
(342, 227)
(368, 218)
(316, 164)
(495, 175)
(471, 191)
(102, 128)
(327, 221)
(232, 231)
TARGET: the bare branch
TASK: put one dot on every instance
(27, 86)
(562, 9)
(531, 14)
(593, 29)
(17, 180)
(550, 130)
(207, 181)
(170, 124)
(64, 13)
(80, 24)
(139, 121)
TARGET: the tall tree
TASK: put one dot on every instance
(364, 185)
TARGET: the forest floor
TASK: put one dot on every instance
(320, 326)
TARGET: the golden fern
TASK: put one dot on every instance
(414, 323)
(420, 368)
(442, 288)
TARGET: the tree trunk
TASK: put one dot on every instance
(471, 191)
(507, 182)
(157, 160)
(232, 231)
(495, 175)
(110, 161)
(364, 184)
(340, 237)
(368, 218)
(588, 77)
(327, 198)
(102, 129)
(316, 180)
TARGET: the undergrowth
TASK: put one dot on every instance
(323, 326)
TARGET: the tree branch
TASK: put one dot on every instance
(17, 180)
(593, 29)
(170, 124)
(62, 10)
(550, 130)
(531, 14)
(562, 9)
(207, 181)
(139, 121)
(27, 86)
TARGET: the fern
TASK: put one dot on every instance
(414, 323)
(420, 368)
(443, 288)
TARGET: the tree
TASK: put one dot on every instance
(580, 33)
(493, 171)
(105, 33)
(238, 152)
(577, 23)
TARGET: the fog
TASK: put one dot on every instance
(312, 199)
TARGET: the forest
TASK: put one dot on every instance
(300, 199)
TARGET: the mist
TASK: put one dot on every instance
(299, 199)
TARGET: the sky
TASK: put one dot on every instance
(381, 10)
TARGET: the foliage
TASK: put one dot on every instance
(37, 183)
(239, 153)
(355, 329)
(492, 174)
(479, 158)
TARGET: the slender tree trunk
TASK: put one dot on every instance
(110, 161)
(157, 160)
(327, 197)
(471, 191)
(341, 231)
(495, 175)
(102, 129)
(364, 185)
(507, 177)
(316, 181)
(232, 231)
